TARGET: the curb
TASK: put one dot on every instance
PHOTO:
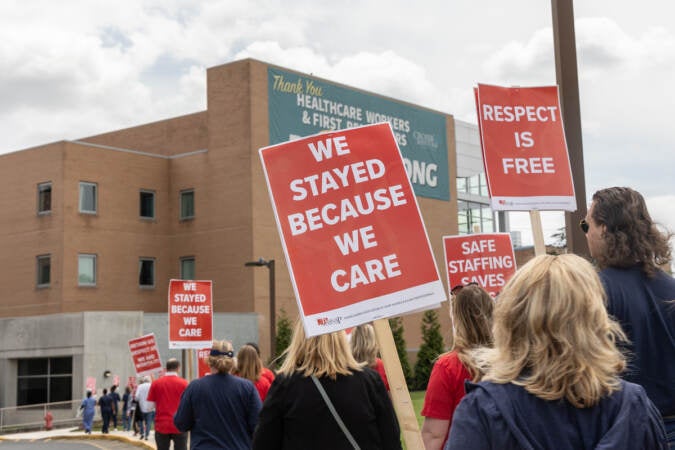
(85, 437)
(103, 437)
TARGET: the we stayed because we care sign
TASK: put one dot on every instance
(342, 200)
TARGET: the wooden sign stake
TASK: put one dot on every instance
(398, 388)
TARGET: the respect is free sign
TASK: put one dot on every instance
(524, 149)
(352, 232)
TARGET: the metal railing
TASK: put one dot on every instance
(32, 417)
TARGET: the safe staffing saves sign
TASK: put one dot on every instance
(352, 232)
(190, 314)
(486, 259)
(524, 148)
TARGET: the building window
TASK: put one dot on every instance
(461, 185)
(88, 198)
(44, 198)
(43, 270)
(147, 204)
(474, 217)
(86, 270)
(146, 272)
(187, 268)
(44, 380)
(187, 204)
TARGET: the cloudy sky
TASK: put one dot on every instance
(70, 69)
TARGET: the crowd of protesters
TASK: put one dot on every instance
(568, 356)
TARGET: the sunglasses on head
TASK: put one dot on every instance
(459, 287)
(584, 226)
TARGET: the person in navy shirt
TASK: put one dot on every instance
(552, 379)
(630, 250)
(220, 410)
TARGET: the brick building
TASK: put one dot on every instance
(93, 229)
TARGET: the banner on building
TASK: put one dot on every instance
(486, 259)
(145, 354)
(351, 229)
(524, 149)
(190, 314)
(300, 106)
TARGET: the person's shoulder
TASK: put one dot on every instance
(632, 391)
(449, 361)
(487, 389)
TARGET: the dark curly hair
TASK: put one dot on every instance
(631, 237)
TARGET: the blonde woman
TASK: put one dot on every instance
(471, 312)
(552, 380)
(364, 348)
(221, 410)
(249, 366)
(296, 416)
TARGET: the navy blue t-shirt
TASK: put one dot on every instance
(643, 307)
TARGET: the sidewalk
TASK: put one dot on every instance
(77, 434)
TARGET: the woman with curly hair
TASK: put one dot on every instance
(471, 313)
(630, 250)
(220, 410)
(552, 378)
(296, 415)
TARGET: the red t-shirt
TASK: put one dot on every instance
(267, 373)
(263, 385)
(166, 393)
(445, 388)
(379, 366)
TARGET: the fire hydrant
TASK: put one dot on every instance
(48, 420)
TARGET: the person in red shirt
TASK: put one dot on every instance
(471, 313)
(266, 373)
(166, 393)
(249, 366)
(364, 348)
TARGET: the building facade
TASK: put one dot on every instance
(93, 229)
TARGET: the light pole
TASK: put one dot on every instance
(273, 334)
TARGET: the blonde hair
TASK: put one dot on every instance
(222, 363)
(325, 355)
(249, 364)
(552, 334)
(472, 310)
(364, 344)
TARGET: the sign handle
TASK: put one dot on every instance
(190, 364)
(537, 233)
(397, 386)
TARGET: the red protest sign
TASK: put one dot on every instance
(91, 384)
(351, 229)
(190, 314)
(145, 354)
(486, 259)
(524, 149)
(202, 362)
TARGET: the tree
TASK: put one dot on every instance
(396, 325)
(432, 346)
(283, 337)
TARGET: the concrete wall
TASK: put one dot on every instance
(97, 341)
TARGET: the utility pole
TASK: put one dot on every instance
(564, 43)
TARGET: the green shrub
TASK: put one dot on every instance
(283, 337)
(432, 346)
(396, 325)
